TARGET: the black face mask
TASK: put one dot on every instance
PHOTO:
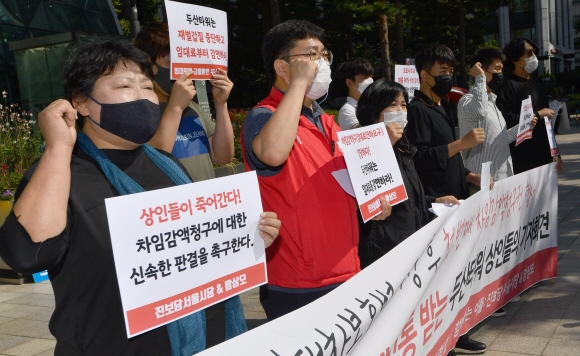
(496, 81)
(135, 121)
(443, 85)
(163, 78)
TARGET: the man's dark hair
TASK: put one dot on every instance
(514, 50)
(282, 38)
(88, 63)
(486, 56)
(354, 67)
(432, 53)
(376, 97)
(154, 40)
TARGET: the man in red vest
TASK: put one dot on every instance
(291, 143)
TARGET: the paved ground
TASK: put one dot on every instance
(545, 322)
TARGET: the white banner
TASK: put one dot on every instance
(408, 77)
(434, 286)
(526, 117)
(373, 170)
(181, 249)
(199, 39)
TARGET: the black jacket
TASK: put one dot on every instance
(533, 152)
(431, 129)
(379, 237)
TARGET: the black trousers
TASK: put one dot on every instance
(215, 319)
(278, 303)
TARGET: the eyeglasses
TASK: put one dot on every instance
(315, 55)
(530, 52)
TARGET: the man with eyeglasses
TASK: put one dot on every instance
(520, 62)
(291, 144)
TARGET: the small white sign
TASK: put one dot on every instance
(408, 77)
(372, 167)
(198, 37)
(181, 249)
(551, 137)
(525, 125)
(485, 175)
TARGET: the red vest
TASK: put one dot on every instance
(318, 240)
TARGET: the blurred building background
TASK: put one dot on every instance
(549, 23)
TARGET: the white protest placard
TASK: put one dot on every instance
(525, 125)
(181, 249)
(372, 167)
(408, 77)
(434, 286)
(551, 137)
(198, 38)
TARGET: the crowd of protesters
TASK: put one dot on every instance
(128, 116)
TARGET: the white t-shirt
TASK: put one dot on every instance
(347, 114)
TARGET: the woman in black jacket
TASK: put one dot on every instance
(386, 101)
(520, 62)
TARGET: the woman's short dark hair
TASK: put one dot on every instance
(376, 97)
(88, 63)
(354, 67)
(432, 53)
(514, 50)
(486, 56)
(282, 38)
(154, 40)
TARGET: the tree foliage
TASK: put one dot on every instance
(352, 28)
(147, 11)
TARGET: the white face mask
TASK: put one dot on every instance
(321, 81)
(531, 64)
(364, 84)
(396, 116)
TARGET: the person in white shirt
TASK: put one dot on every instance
(477, 108)
(357, 74)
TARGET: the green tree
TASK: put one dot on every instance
(381, 10)
(456, 23)
(147, 11)
(124, 22)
